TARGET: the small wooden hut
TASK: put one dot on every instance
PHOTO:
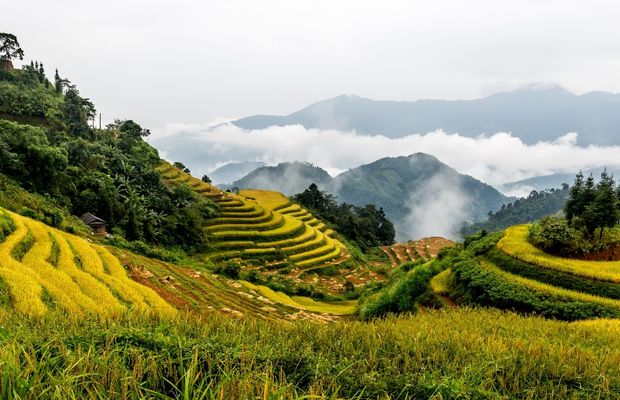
(97, 224)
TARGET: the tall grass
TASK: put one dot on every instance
(460, 353)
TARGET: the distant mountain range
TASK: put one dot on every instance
(553, 181)
(419, 193)
(534, 113)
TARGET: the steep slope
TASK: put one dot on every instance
(534, 113)
(42, 269)
(266, 232)
(511, 273)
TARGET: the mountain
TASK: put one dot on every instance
(533, 113)
(288, 178)
(420, 194)
(232, 171)
(539, 183)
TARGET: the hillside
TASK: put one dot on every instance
(405, 187)
(524, 210)
(534, 113)
(508, 272)
(264, 232)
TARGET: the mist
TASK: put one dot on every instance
(494, 159)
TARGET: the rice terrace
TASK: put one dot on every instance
(350, 248)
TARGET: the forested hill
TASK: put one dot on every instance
(527, 209)
(54, 164)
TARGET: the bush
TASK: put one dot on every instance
(554, 235)
(230, 269)
(403, 295)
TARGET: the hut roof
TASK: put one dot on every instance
(90, 219)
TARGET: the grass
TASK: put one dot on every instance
(515, 244)
(459, 353)
(440, 283)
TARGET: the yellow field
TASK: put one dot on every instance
(515, 243)
(261, 222)
(304, 303)
(440, 283)
(96, 284)
(266, 198)
(545, 288)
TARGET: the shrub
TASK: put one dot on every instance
(230, 269)
(554, 235)
(403, 295)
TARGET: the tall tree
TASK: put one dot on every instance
(603, 212)
(9, 47)
(574, 198)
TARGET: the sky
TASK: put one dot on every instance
(164, 62)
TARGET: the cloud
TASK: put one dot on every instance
(438, 208)
(494, 159)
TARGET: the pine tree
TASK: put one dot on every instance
(57, 82)
(572, 204)
(603, 211)
(587, 196)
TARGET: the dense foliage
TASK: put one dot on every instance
(365, 226)
(47, 145)
(535, 206)
(591, 207)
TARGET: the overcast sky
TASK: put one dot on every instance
(160, 62)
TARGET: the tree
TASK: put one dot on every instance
(181, 166)
(571, 209)
(131, 129)
(77, 111)
(603, 211)
(206, 179)
(586, 197)
(58, 82)
(9, 47)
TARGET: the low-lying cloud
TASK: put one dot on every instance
(438, 208)
(494, 159)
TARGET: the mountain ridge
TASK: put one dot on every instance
(532, 113)
(397, 184)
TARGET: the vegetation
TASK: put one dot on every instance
(9, 47)
(591, 207)
(365, 226)
(461, 353)
(48, 147)
(528, 209)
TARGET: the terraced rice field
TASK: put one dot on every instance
(42, 268)
(202, 293)
(304, 303)
(423, 249)
(516, 274)
(263, 229)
